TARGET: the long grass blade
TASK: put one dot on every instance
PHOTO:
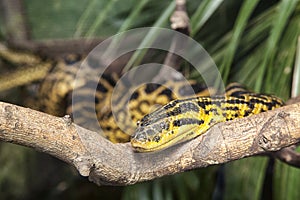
(101, 18)
(84, 18)
(296, 75)
(244, 178)
(139, 54)
(203, 13)
(286, 182)
(285, 9)
(128, 22)
(241, 22)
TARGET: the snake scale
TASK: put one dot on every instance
(181, 116)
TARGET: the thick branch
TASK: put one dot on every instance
(56, 48)
(117, 164)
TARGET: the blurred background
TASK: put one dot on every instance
(253, 42)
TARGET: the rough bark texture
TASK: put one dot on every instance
(118, 164)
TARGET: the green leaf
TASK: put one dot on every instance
(296, 76)
(128, 22)
(203, 13)
(240, 24)
(139, 54)
(244, 178)
(84, 18)
(284, 10)
(133, 15)
(101, 18)
(286, 182)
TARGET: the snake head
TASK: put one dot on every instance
(173, 123)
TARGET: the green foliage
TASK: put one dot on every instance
(12, 171)
(181, 186)
(296, 75)
(286, 182)
(245, 178)
(204, 11)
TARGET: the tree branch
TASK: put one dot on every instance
(117, 164)
(288, 155)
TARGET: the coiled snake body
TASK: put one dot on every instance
(55, 95)
(181, 117)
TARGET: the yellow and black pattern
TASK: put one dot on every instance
(30, 68)
(59, 80)
(55, 91)
(181, 120)
(118, 126)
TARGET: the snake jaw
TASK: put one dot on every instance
(166, 127)
(141, 142)
(159, 144)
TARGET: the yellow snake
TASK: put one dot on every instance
(55, 93)
(182, 120)
(118, 127)
(182, 117)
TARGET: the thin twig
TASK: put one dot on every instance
(289, 156)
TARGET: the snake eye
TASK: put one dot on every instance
(138, 123)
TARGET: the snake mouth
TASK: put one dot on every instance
(164, 143)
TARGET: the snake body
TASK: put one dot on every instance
(182, 117)
(182, 120)
(120, 125)
(56, 98)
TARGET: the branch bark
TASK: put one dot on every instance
(117, 164)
